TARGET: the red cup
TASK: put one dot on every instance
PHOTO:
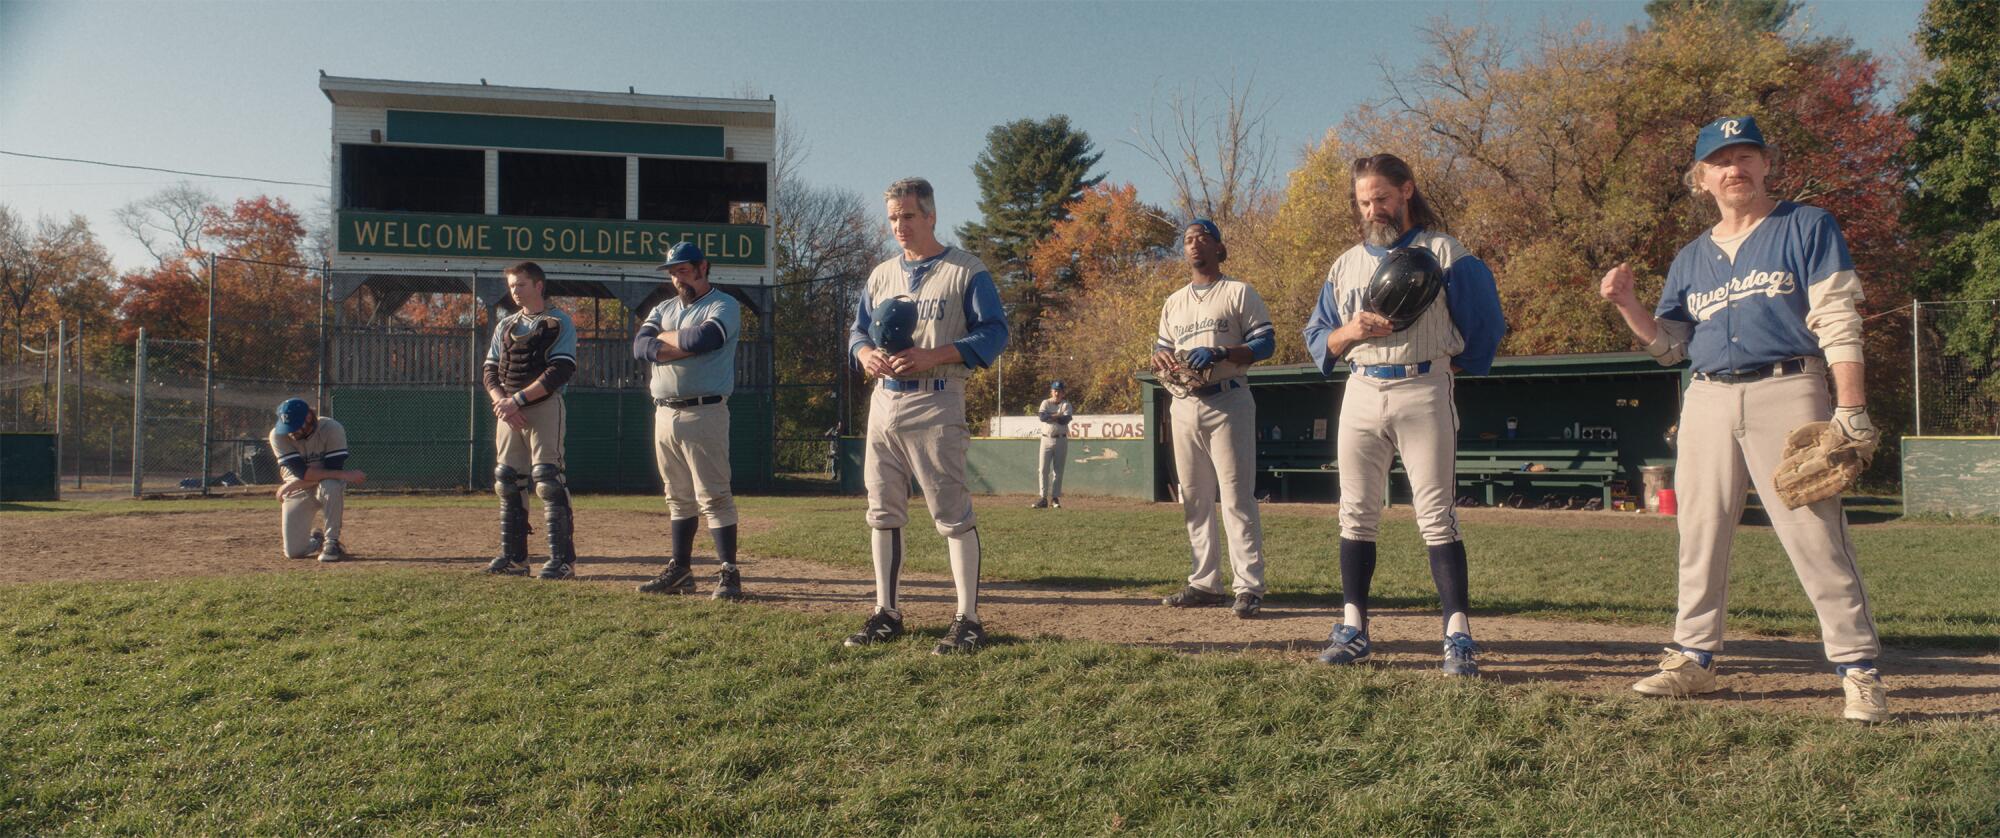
(1667, 503)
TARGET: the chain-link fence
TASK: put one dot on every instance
(1956, 383)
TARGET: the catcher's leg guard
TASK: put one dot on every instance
(555, 509)
(510, 485)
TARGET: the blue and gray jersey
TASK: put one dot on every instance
(709, 328)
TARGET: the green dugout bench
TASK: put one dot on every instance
(1488, 466)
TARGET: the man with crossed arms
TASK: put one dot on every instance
(690, 342)
(1055, 413)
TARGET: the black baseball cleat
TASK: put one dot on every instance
(882, 627)
(1193, 597)
(728, 584)
(1039, 504)
(556, 569)
(1247, 605)
(963, 638)
(676, 579)
(504, 566)
(332, 551)
(316, 543)
(1056, 503)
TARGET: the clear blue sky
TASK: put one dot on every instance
(880, 90)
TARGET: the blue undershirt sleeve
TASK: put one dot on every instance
(857, 336)
(1473, 299)
(705, 336)
(1325, 318)
(985, 323)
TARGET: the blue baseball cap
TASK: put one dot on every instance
(681, 254)
(1214, 232)
(1056, 384)
(1725, 132)
(292, 415)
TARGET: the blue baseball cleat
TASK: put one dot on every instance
(1458, 652)
(1345, 645)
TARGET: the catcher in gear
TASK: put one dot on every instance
(1763, 307)
(532, 355)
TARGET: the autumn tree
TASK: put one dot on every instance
(1116, 253)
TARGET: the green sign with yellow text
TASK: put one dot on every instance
(561, 239)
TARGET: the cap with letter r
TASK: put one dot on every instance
(292, 415)
(1725, 132)
(682, 254)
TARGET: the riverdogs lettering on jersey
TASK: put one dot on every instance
(1746, 312)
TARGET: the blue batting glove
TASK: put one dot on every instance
(1203, 357)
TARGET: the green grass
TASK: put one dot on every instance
(417, 702)
(1930, 583)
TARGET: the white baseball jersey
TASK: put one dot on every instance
(941, 294)
(1432, 337)
(1226, 312)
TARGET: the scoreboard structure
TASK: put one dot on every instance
(436, 183)
(438, 188)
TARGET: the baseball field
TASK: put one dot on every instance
(162, 671)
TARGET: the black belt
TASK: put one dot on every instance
(679, 404)
(1791, 366)
(1390, 371)
(1213, 389)
(912, 385)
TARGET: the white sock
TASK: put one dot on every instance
(1351, 616)
(965, 571)
(1457, 623)
(888, 549)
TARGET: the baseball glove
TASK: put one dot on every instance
(1181, 379)
(1819, 462)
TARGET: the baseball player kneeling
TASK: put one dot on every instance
(1762, 305)
(1220, 326)
(690, 341)
(925, 321)
(532, 355)
(312, 451)
(1406, 309)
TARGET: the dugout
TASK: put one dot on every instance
(439, 187)
(1589, 421)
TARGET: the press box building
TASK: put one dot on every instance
(437, 188)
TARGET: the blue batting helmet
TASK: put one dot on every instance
(893, 325)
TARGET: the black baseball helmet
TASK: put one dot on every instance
(1404, 286)
(893, 324)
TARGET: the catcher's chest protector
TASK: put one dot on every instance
(523, 357)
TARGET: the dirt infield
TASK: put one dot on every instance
(1763, 672)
